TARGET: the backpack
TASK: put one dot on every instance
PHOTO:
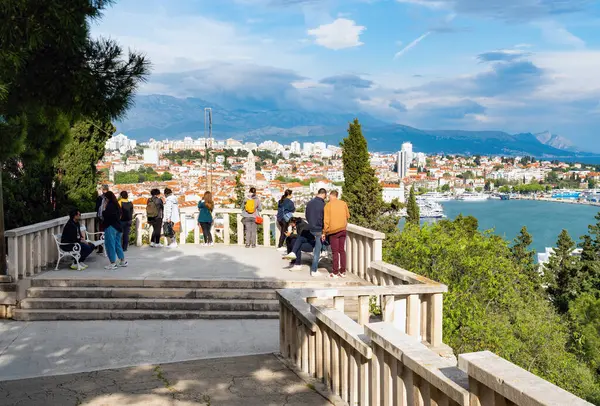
(250, 206)
(151, 208)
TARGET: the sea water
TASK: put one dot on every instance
(544, 220)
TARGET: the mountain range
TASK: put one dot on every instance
(162, 117)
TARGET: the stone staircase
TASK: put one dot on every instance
(132, 299)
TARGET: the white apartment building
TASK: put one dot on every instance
(391, 193)
(295, 147)
(150, 156)
(405, 157)
(120, 143)
(270, 175)
(307, 148)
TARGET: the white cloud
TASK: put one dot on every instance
(340, 34)
(556, 33)
(411, 45)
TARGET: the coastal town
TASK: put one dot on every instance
(192, 166)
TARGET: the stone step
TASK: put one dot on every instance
(108, 292)
(193, 283)
(91, 314)
(5, 279)
(151, 304)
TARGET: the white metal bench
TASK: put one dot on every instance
(96, 239)
(75, 252)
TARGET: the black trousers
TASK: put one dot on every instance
(283, 226)
(156, 223)
(126, 226)
(206, 232)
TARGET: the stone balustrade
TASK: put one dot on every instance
(376, 364)
(32, 248)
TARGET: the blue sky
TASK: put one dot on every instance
(512, 65)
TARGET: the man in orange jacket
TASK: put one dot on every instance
(335, 223)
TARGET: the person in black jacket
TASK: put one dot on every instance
(126, 218)
(113, 232)
(100, 200)
(303, 241)
(315, 215)
(71, 235)
(155, 218)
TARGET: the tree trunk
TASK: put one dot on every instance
(3, 264)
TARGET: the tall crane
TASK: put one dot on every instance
(208, 144)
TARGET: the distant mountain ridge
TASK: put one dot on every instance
(162, 117)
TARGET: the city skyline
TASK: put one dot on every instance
(522, 66)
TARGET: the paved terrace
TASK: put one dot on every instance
(196, 262)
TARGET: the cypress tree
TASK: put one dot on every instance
(77, 177)
(412, 209)
(562, 272)
(526, 257)
(361, 189)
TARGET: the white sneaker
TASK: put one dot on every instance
(111, 267)
(291, 256)
(173, 245)
(282, 249)
(314, 274)
(296, 268)
(123, 263)
(152, 245)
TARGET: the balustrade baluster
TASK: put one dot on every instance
(226, 229)
(335, 363)
(363, 310)
(435, 319)
(354, 386)
(266, 230)
(312, 338)
(354, 262)
(282, 344)
(368, 252)
(44, 248)
(387, 379)
(319, 354)
(375, 373)
(38, 252)
(388, 308)
(305, 354)
(326, 356)
(412, 319)
(23, 256)
(399, 396)
(13, 258)
(362, 272)
(344, 361)
(424, 333)
(197, 234)
(240, 230)
(338, 303)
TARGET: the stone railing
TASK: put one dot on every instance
(376, 364)
(32, 248)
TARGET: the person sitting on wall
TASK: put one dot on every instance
(72, 235)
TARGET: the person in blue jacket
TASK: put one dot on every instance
(285, 211)
(205, 218)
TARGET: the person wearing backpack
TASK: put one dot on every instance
(126, 218)
(285, 211)
(250, 214)
(154, 211)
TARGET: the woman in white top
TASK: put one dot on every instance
(171, 218)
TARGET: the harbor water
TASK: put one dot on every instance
(544, 220)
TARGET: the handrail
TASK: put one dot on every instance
(33, 228)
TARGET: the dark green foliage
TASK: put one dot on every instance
(361, 189)
(239, 191)
(491, 303)
(77, 177)
(144, 174)
(53, 75)
(562, 273)
(412, 209)
(525, 257)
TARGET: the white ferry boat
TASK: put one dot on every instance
(473, 197)
(437, 197)
(429, 209)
